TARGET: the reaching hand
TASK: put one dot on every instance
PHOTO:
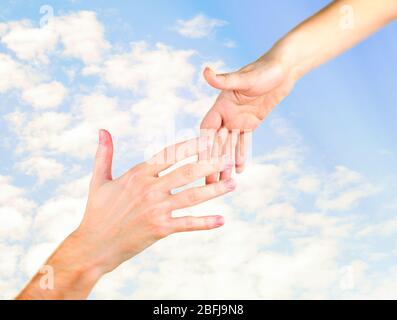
(247, 97)
(126, 215)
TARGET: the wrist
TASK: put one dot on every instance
(76, 269)
(289, 56)
(77, 248)
(70, 273)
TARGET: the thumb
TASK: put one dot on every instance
(103, 159)
(239, 80)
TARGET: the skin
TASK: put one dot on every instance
(248, 95)
(128, 214)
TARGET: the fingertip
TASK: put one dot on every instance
(230, 184)
(212, 78)
(239, 169)
(104, 137)
(209, 73)
(103, 159)
(219, 222)
(211, 179)
(226, 174)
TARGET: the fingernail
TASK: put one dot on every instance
(101, 135)
(220, 221)
(239, 169)
(230, 184)
(215, 75)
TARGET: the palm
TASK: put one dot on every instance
(246, 109)
(242, 112)
(247, 97)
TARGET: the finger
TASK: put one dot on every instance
(212, 120)
(241, 151)
(197, 195)
(217, 152)
(239, 80)
(175, 153)
(230, 150)
(208, 128)
(187, 224)
(103, 160)
(206, 153)
(190, 173)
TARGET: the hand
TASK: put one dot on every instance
(247, 97)
(249, 94)
(126, 215)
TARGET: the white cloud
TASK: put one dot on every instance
(259, 186)
(81, 36)
(40, 131)
(308, 184)
(9, 261)
(77, 188)
(35, 256)
(15, 211)
(73, 133)
(165, 82)
(199, 26)
(382, 229)
(45, 96)
(58, 217)
(344, 189)
(150, 71)
(44, 168)
(14, 74)
(229, 44)
(29, 42)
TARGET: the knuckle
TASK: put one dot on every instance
(136, 181)
(188, 223)
(227, 78)
(159, 228)
(192, 196)
(217, 189)
(161, 232)
(161, 207)
(206, 223)
(218, 166)
(139, 168)
(131, 180)
(151, 196)
(188, 171)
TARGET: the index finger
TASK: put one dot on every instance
(175, 153)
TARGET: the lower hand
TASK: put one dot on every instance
(128, 214)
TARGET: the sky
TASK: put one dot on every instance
(314, 214)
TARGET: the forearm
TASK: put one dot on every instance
(333, 30)
(70, 273)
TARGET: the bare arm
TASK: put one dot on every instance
(333, 30)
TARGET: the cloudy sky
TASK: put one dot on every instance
(314, 215)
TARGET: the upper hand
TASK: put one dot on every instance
(247, 97)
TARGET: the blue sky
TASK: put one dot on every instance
(338, 138)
